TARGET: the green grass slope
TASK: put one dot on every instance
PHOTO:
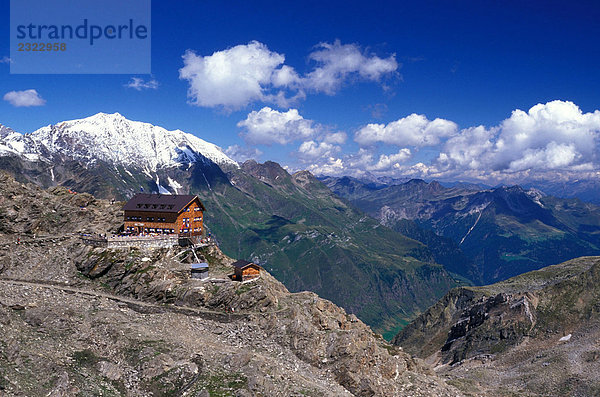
(311, 240)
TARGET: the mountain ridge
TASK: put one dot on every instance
(116, 140)
(260, 212)
(502, 231)
(83, 320)
(533, 334)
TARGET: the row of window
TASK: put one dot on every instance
(163, 230)
(186, 221)
(149, 219)
(196, 209)
(187, 230)
(155, 206)
(152, 230)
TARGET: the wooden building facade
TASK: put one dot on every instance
(244, 270)
(164, 214)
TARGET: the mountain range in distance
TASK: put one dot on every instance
(292, 224)
(384, 249)
(484, 235)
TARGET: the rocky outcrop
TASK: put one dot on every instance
(316, 331)
(77, 319)
(497, 329)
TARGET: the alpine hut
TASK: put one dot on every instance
(245, 270)
(164, 214)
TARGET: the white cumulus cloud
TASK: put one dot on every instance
(241, 154)
(335, 137)
(25, 98)
(389, 162)
(555, 140)
(337, 62)
(552, 136)
(330, 166)
(412, 130)
(234, 77)
(311, 150)
(237, 76)
(361, 163)
(268, 126)
(466, 149)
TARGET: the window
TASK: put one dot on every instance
(150, 219)
(197, 209)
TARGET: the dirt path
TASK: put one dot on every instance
(140, 306)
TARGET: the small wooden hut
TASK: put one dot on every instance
(245, 270)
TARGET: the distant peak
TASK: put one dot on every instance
(103, 115)
(115, 139)
(416, 181)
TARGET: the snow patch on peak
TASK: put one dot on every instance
(117, 140)
(535, 195)
(12, 142)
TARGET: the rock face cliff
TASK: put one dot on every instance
(534, 334)
(77, 320)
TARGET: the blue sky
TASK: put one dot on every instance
(468, 63)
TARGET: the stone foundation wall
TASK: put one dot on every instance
(155, 242)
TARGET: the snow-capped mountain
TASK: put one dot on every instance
(11, 142)
(115, 140)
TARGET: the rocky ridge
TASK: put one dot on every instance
(81, 320)
(534, 334)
